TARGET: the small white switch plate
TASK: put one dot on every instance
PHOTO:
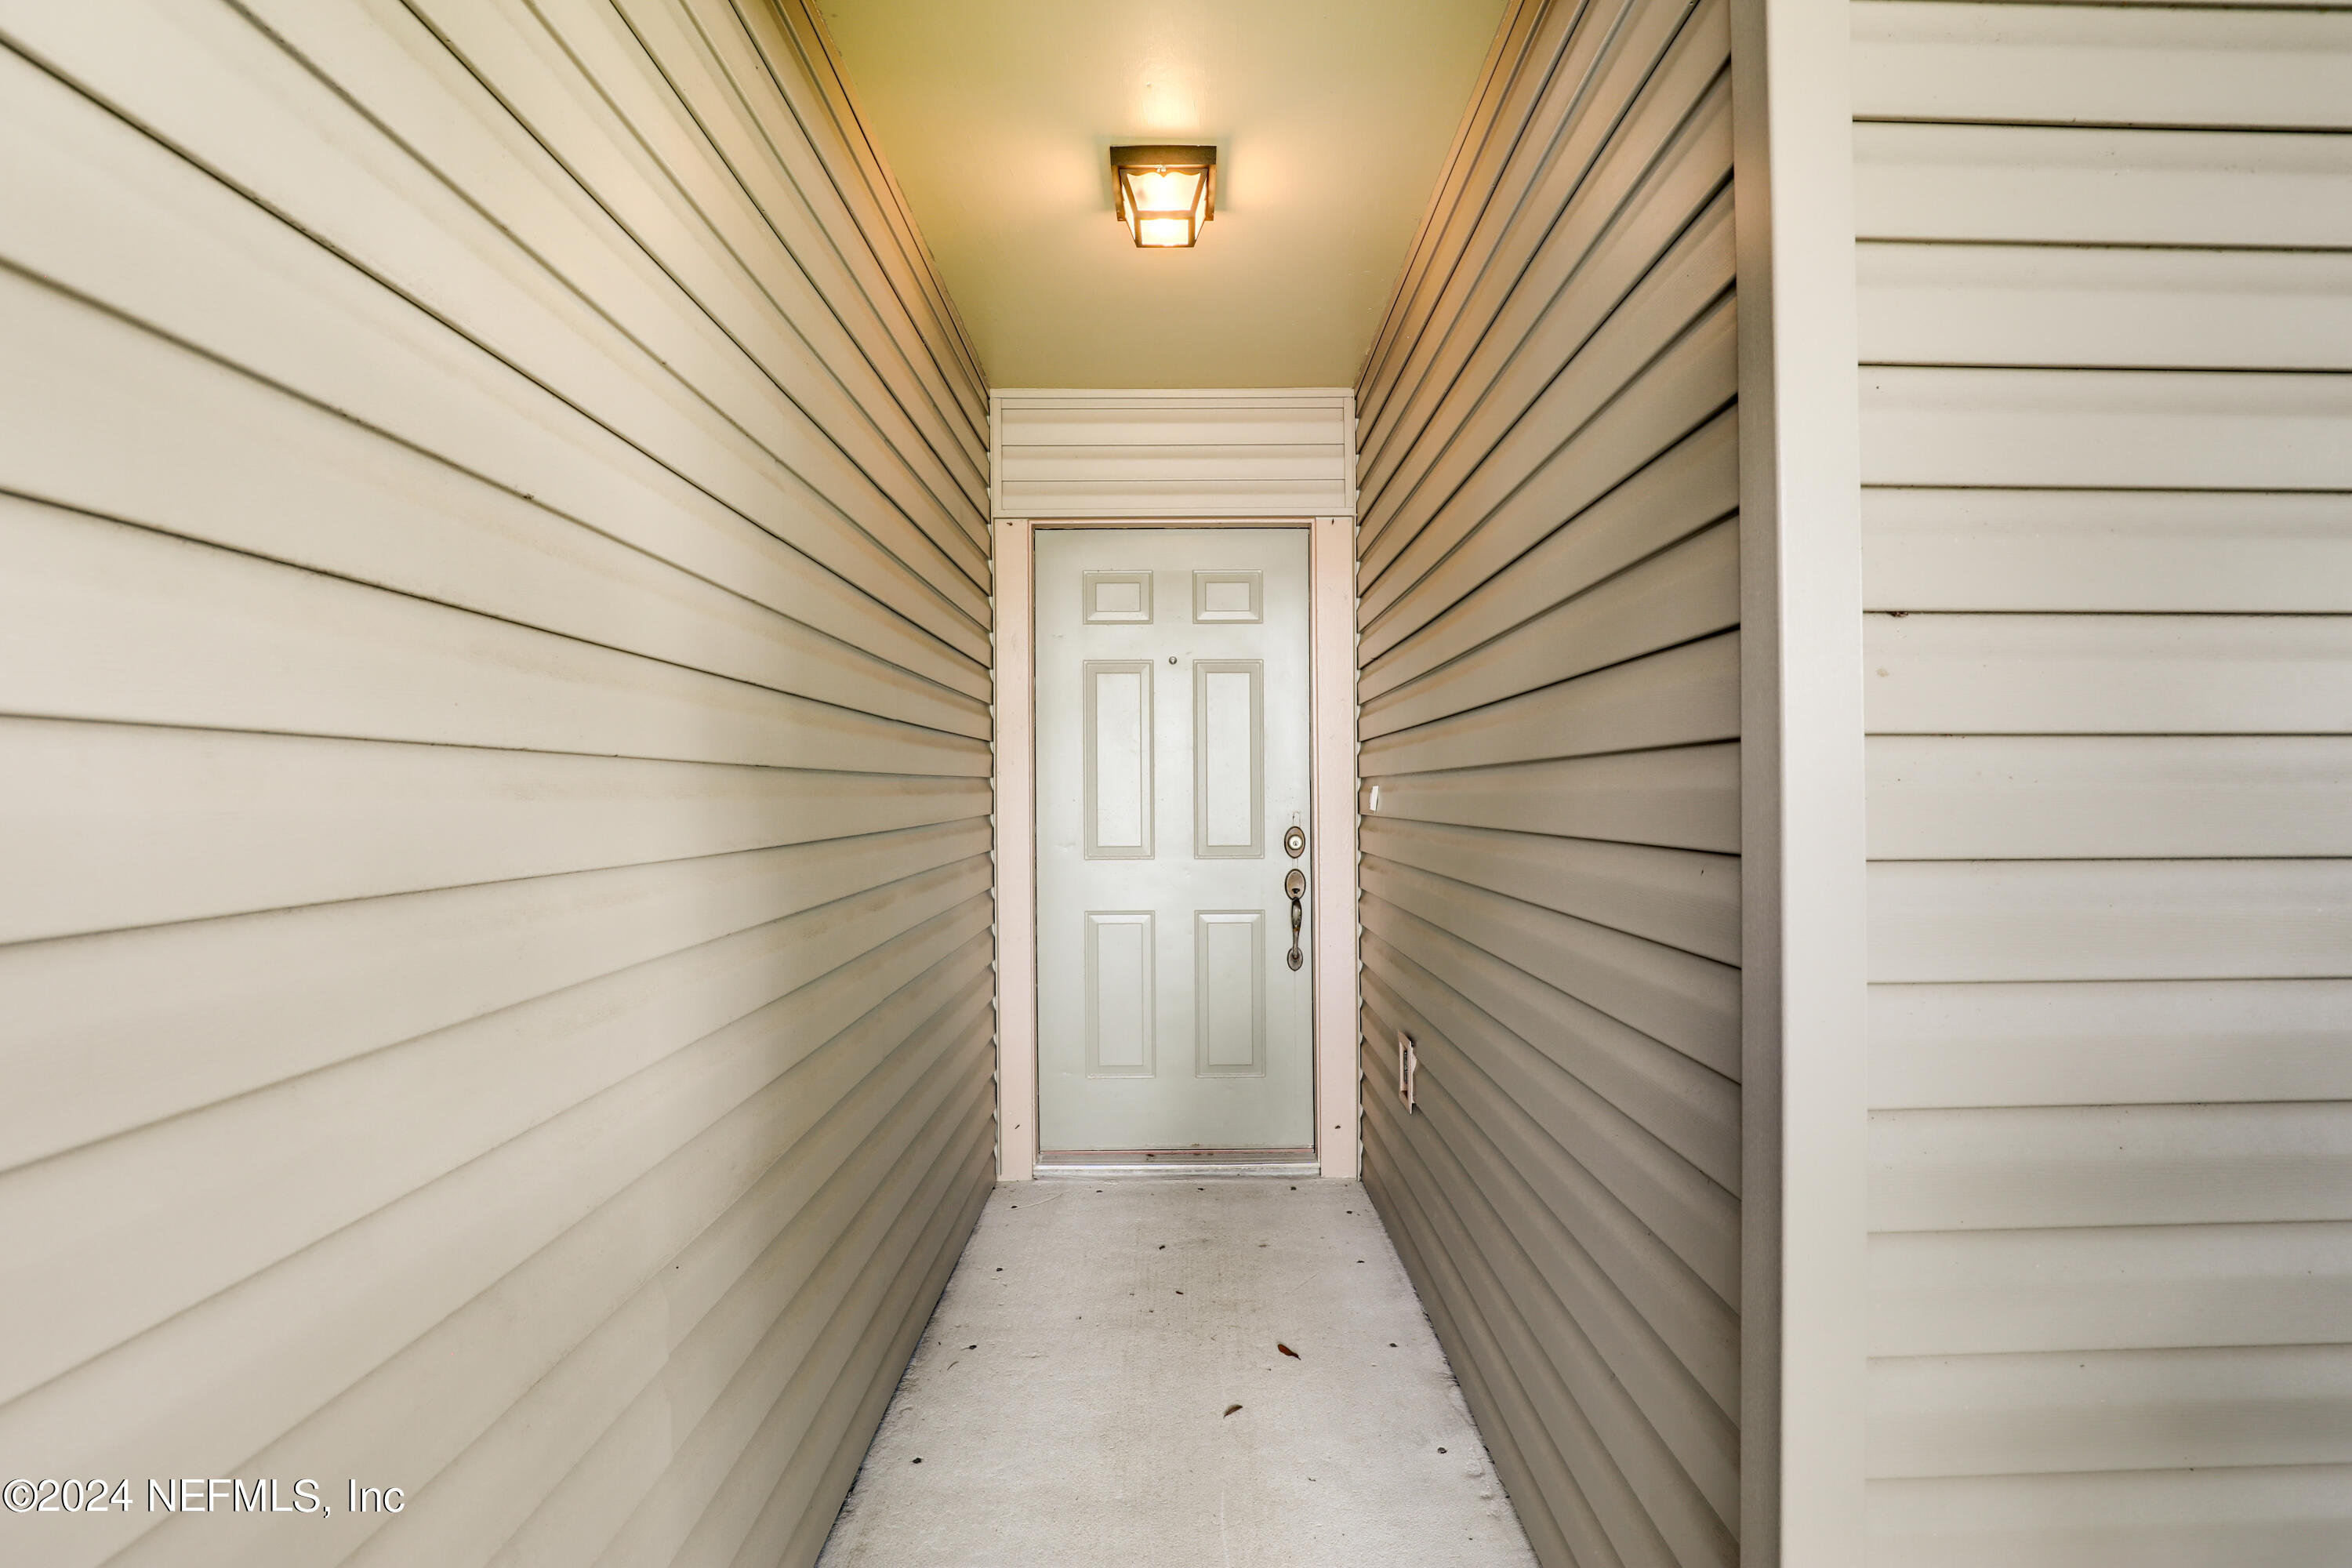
(1408, 1063)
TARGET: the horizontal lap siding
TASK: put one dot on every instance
(2106, 405)
(1550, 680)
(1205, 454)
(498, 947)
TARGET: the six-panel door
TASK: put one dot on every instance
(1172, 748)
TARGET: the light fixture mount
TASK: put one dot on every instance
(1164, 193)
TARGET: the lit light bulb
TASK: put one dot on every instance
(1165, 193)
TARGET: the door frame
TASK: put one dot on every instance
(1332, 789)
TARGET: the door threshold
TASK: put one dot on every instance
(1076, 1165)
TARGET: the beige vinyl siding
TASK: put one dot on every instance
(1550, 730)
(2106, 284)
(1157, 454)
(494, 635)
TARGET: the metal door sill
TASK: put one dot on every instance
(1080, 1164)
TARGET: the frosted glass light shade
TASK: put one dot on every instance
(1164, 194)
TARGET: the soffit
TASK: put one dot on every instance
(1331, 119)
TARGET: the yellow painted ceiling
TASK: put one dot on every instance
(1331, 119)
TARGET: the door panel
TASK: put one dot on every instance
(1172, 745)
(1229, 759)
(1118, 598)
(1228, 597)
(1120, 993)
(1230, 963)
(1117, 759)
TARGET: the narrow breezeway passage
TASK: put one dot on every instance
(1149, 1373)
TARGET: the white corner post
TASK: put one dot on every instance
(1016, 854)
(1805, 1162)
(1338, 1018)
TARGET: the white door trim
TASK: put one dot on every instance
(1016, 777)
(1338, 1014)
(1332, 660)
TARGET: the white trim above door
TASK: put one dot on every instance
(1280, 452)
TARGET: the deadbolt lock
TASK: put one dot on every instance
(1294, 843)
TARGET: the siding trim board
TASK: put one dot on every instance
(496, 671)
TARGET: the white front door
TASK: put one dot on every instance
(1174, 1003)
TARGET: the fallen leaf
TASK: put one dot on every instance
(1229, 1410)
(1289, 1352)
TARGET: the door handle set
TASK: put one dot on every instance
(1294, 885)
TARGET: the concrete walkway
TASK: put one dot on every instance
(1068, 1407)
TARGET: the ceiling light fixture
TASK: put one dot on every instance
(1164, 194)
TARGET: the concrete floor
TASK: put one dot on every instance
(1068, 1407)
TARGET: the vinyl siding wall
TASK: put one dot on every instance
(1550, 698)
(2106, 286)
(494, 644)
